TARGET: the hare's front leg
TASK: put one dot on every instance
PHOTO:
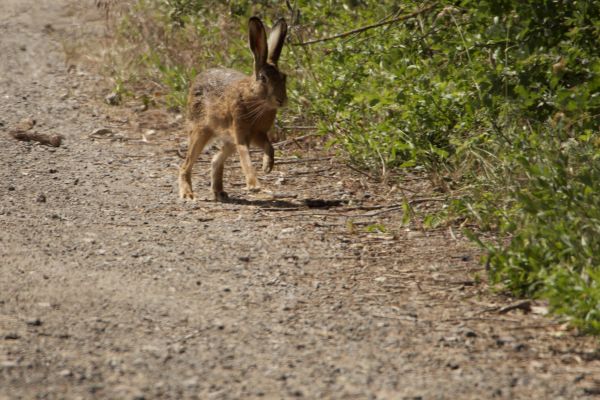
(242, 138)
(247, 168)
(218, 162)
(199, 137)
(262, 140)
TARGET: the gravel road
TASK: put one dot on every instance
(113, 288)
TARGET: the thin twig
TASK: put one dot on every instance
(365, 28)
(279, 209)
(524, 305)
(363, 173)
(298, 128)
(304, 160)
(284, 142)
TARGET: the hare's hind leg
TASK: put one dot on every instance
(218, 162)
(199, 137)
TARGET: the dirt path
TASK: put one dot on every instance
(112, 288)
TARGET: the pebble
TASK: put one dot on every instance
(101, 132)
(33, 322)
(41, 198)
(113, 99)
(190, 383)
(25, 124)
(9, 364)
(12, 336)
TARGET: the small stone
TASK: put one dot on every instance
(142, 107)
(244, 258)
(453, 365)
(519, 347)
(178, 348)
(113, 99)
(190, 383)
(95, 388)
(592, 391)
(48, 28)
(415, 234)
(33, 322)
(65, 373)
(41, 198)
(101, 132)
(25, 124)
(11, 188)
(501, 341)
(9, 364)
(12, 336)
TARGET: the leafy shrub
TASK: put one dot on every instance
(555, 232)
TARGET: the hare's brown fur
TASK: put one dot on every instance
(238, 110)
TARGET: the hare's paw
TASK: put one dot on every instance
(268, 163)
(221, 196)
(252, 184)
(254, 188)
(185, 191)
(187, 196)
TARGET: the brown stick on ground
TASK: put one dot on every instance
(49, 140)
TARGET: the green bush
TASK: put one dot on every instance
(554, 228)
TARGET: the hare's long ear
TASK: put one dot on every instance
(258, 43)
(276, 40)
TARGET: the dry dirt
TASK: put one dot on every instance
(110, 287)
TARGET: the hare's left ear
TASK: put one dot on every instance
(276, 40)
(258, 43)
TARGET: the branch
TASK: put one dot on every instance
(364, 28)
(48, 140)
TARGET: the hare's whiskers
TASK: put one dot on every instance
(255, 108)
(259, 115)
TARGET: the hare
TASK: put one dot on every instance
(237, 109)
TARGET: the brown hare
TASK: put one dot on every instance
(237, 109)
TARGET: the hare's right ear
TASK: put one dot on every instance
(276, 40)
(258, 43)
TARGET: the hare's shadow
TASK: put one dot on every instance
(284, 204)
(262, 203)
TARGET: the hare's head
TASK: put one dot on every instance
(270, 82)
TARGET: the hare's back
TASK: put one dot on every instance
(210, 84)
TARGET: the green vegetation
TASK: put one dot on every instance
(497, 100)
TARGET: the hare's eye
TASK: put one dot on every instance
(262, 78)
